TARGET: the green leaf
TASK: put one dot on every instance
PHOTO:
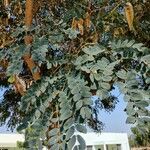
(42, 108)
(70, 132)
(92, 77)
(142, 103)
(81, 142)
(72, 142)
(37, 114)
(64, 106)
(53, 140)
(77, 97)
(22, 126)
(49, 65)
(108, 72)
(137, 46)
(84, 68)
(76, 147)
(93, 50)
(42, 49)
(78, 61)
(79, 104)
(135, 95)
(85, 112)
(87, 101)
(53, 132)
(15, 67)
(71, 33)
(105, 85)
(68, 123)
(67, 114)
(131, 120)
(43, 89)
(147, 80)
(107, 78)
(146, 59)
(55, 147)
(122, 74)
(87, 58)
(81, 128)
(127, 98)
(130, 109)
(98, 77)
(128, 43)
(102, 64)
(75, 90)
(85, 91)
(142, 112)
(101, 93)
(38, 93)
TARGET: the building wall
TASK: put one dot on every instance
(10, 140)
(108, 139)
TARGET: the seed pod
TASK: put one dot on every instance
(74, 24)
(28, 13)
(28, 40)
(80, 26)
(19, 85)
(20, 8)
(6, 3)
(87, 21)
(129, 14)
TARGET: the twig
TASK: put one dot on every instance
(112, 11)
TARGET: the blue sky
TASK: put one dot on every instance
(114, 121)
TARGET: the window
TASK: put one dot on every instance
(118, 146)
(89, 147)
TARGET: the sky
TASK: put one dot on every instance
(114, 121)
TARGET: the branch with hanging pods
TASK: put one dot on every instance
(19, 84)
(28, 39)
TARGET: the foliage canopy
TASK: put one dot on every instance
(63, 53)
(139, 139)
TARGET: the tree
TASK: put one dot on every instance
(56, 54)
(138, 138)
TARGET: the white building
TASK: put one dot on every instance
(106, 141)
(9, 141)
(103, 141)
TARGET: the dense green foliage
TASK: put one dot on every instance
(139, 139)
(73, 66)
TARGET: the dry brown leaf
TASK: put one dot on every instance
(94, 38)
(28, 40)
(118, 31)
(87, 20)
(19, 85)
(74, 24)
(31, 64)
(129, 14)
(3, 66)
(80, 26)
(28, 13)
(20, 8)
(6, 3)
